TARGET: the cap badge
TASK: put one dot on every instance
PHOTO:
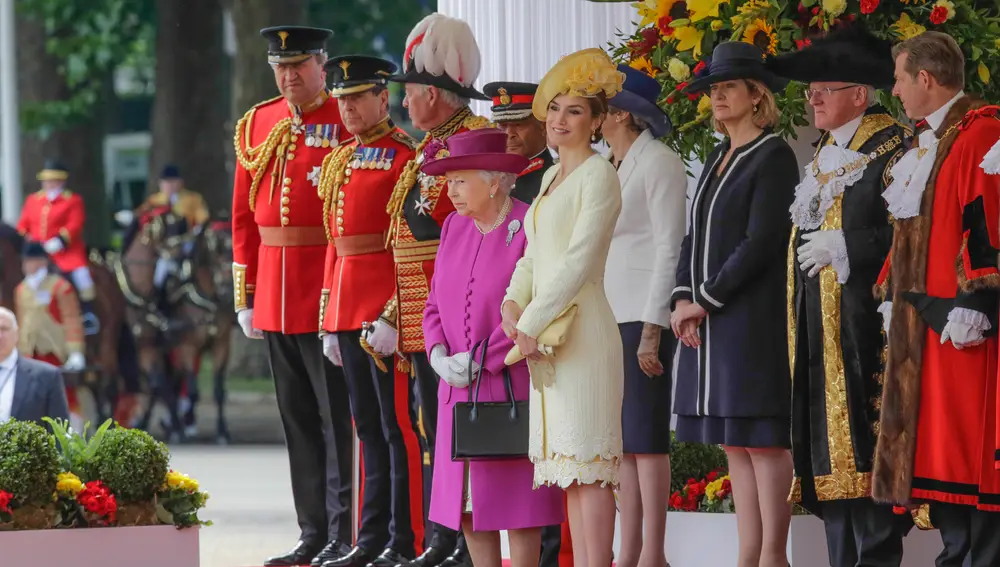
(504, 97)
(344, 64)
(284, 36)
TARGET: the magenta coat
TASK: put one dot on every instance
(471, 274)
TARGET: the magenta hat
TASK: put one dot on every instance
(484, 149)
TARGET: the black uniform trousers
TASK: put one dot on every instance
(425, 390)
(971, 537)
(551, 542)
(863, 533)
(385, 509)
(315, 416)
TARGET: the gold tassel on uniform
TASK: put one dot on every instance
(371, 352)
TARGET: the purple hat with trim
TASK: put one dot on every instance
(484, 149)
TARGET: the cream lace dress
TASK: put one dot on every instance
(575, 420)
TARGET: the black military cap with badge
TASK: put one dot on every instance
(353, 74)
(293, 44)
(511, 101)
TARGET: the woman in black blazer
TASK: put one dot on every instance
(733, 383)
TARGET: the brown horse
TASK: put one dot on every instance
(200, 300)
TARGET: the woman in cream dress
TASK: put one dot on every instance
(576, 399)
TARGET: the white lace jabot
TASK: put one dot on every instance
(833, 170)
(910, 176)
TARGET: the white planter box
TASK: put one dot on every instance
(700, 539)
(148, 546)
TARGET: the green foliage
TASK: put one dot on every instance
(376, 27)
(180, 508)
(29, 462)
(130, 463)
(89, 40)
(693, 460)
(76, 450)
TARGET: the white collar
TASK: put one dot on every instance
(845, 133)
(10, 360)
(53, 194)
(645, 137)
(936, 118)
(35, 279)
(541, 153)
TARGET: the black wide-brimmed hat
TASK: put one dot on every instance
(638, 97)
(847, 55)
(170, 171)
(291, 44)
(351, 74)
(734, 60)
(446, 46)
(511, 101)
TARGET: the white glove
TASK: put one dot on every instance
(75, 363)
(464, 359)
(245, 318)
(886, 310)
(823, 248)
(124, 217)
(331, 349)
(382, 338)
(965, 328)
(447, 367)
(53, 245)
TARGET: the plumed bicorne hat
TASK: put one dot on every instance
(848, 55)
(442, 52)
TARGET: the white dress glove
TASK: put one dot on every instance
(825, 248)
(448, 368)
(965, 328)
(124, 217)
(53, 245)
(886, 310)
(331, 349)
(382, 338)
(245, 319)
(75, 363)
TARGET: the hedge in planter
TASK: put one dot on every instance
(29, 466)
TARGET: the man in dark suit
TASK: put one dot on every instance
(29, 389)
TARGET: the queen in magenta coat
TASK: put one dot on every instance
(480, 245)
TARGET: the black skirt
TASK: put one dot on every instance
(646, 407)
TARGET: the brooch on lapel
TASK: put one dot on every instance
(512, 228)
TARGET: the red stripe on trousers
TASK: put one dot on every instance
(414, 457)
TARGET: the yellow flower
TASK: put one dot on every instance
(906, 28)
(178, 481)
(689, 38)
(834, 8)
(947, 5)
(652, 10)
(704, 105)
(761, 34)
(642, 64)
(69, 484)
(716, 25)
(984, 73)
(701, 9)
(678, 70)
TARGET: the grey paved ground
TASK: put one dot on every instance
(250, 504)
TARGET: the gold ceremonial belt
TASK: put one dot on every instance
(415, 251)
(358, 244)
(283, 236)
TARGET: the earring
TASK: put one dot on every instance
(492, 195)
(593, 137)
(755, 109)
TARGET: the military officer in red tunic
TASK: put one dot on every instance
(440, 64)
(279, 246)
(938, 431)
(356, 182)
(55, 216)
(511, 111)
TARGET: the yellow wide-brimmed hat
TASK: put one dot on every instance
(53, 170)
(585, 73)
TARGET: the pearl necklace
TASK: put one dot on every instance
(503, 215)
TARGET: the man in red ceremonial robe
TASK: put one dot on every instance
(938, 434)
(54, 216)
(49, 324)
(279, 246)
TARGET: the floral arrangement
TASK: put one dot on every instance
(675, 39)
(116, 477)
(713, 493)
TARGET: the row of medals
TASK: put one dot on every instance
(320, 139)
(372, 158)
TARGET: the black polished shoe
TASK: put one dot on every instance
(301, 554)
(389, 558)
(333, 550)
(458, 558)
(431, 557)
(356, 557)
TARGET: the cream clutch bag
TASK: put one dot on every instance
(553, 336)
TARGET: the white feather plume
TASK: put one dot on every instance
(447, 48)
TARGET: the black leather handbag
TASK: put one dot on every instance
(489, 430)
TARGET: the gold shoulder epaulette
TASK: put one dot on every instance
(474, 122)
(405, 139)
(268, 101)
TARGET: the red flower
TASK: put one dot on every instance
(643, 47)
(675, 501)
(98, 500)
(696, 490)
(712, 476)
(698, 68)
(664, 25)
(802, 43)
(727, 486)
(939, 15)
(670, 100)
(5, 499)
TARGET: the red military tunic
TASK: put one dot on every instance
(418, 211)
(939, 431)
(49, 323)
(358, 179)
(63, 218)
(279, 245)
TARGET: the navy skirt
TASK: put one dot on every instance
(646, 407)
(747, 432)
